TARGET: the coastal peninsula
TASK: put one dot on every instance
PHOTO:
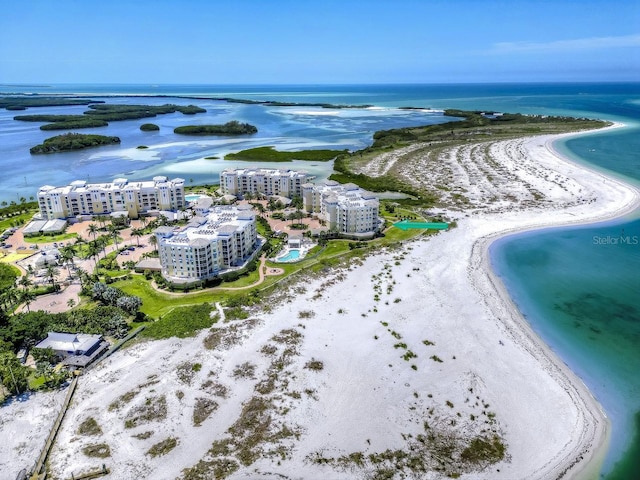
(72, 141)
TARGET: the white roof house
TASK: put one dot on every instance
(65, 344)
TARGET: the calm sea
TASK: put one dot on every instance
(578, 287)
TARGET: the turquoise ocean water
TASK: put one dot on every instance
(578, 287)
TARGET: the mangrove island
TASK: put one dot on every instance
(72, 141)
(230, 128)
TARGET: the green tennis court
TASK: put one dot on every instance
(406, 225)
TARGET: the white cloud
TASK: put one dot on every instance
(558, 46)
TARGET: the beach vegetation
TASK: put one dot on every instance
(153, 408)
(163, 447)
(203, 409)
(100, 450)
(186, 371)
(436, 358)
(72, 141)
(315, 365)
(245, 370)
(181, 322)
(89, 427)
(484, 450)
(472, 126)
(230, 128)
(270, 154)
(123, 399)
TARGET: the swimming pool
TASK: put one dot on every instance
(291, 256)
(192, 198)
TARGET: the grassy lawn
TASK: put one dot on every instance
(156, 303)
(51, 238)
(21, 219)
(244, 281)
(114, 273)
(14, 257)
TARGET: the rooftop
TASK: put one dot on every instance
(74, 343)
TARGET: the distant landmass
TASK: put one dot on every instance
(99, 115)
(22, 103)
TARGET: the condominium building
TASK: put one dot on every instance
(268, 182)
(121, 195)
(346, 208)
(207, 246)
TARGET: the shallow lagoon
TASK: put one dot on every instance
(287, 128)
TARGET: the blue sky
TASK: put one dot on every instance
(315, 42)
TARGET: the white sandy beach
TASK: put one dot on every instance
(436, 297)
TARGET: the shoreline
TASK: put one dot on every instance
(588, 461)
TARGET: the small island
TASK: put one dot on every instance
(149, 127)
(230, 128)
(72, 141)
(270, 154)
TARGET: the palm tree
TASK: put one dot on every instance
(137, 232)
(113, 231)
(68, 252)
(83, 276)
(153, 241)
(8, 298)
(52, 271)
(93, 229)
(27, 296)
(102, 242)
(24, 282)
(94, 251)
